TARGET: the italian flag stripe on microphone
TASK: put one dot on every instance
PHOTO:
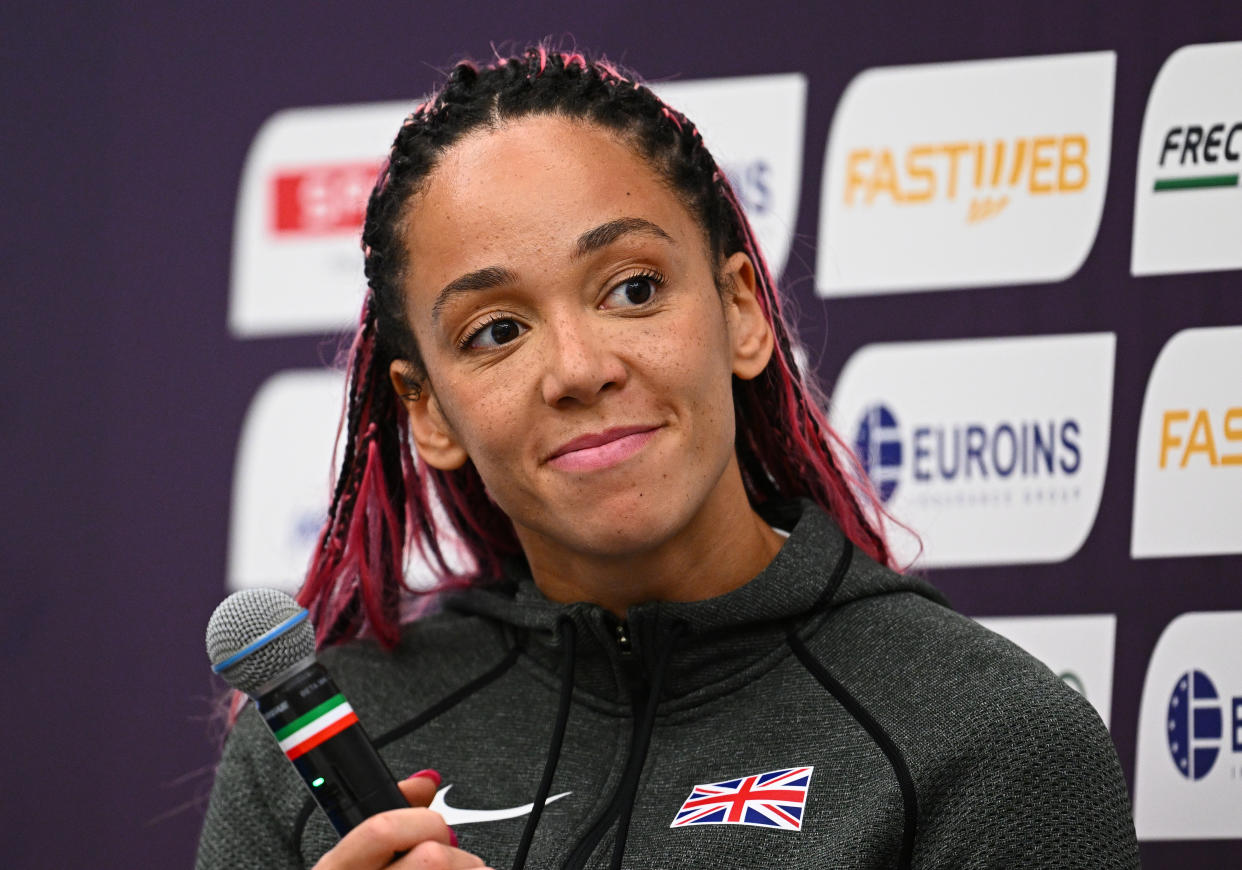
(309, 730)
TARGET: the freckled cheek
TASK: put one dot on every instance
(484, 419)
(689, 358)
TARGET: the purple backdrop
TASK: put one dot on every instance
(125, 134)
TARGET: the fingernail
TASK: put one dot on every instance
(452, 838)
(429, 773)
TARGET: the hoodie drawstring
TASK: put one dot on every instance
(568, 635)
(629, 789)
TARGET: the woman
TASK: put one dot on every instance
(679, 642)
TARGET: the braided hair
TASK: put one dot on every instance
(385, 502)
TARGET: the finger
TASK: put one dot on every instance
(374, 842)
(419, 788)
(435, 856)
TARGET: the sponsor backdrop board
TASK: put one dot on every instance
(1011, 235)
(1188, 467)
(1187, 195)
(985, 451)
(985, 172)
(1190, 731)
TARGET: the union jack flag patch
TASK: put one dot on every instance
(774, 799)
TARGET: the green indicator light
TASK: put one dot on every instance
(316, 782)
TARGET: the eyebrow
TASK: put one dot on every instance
(588, 243)
(605, 234)
(480, 279)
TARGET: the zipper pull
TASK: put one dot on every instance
(622, 631)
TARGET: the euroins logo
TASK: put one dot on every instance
(878, 444)
(983, 173)
(1195, 724)
(951, 454)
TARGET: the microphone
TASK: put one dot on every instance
(262, 643)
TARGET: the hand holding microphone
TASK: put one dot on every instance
(419, 832)
(262, 643)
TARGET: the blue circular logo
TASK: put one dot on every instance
(878, 444)
(1194, 724)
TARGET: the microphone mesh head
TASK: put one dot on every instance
(243, 618)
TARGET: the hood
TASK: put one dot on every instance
(816, 571)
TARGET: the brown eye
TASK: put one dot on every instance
(500, 331)
(503, 331)
(634, 291)
(639, 290)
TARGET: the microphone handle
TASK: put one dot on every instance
(321, 736)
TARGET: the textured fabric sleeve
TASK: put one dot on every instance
(1044, 790)
(256, 794)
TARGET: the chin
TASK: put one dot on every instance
(613, 531)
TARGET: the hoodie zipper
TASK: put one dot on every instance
(635, 758)
(622, 632)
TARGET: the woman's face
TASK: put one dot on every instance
(576, 347)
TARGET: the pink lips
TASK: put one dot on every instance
(601, 449)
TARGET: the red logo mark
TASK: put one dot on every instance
(322, 199)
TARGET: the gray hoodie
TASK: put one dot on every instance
(829, 713)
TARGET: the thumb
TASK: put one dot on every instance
(419, 788)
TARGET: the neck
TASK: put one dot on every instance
(722, 546)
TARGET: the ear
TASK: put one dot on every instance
(434, 439)
(749, 332)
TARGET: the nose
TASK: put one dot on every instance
(579, 363)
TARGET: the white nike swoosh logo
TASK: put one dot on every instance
(457, 816)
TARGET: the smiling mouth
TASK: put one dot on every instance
(602, 449)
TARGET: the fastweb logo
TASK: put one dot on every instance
(1187, 199)
(992, 450)
(1188, 475)
(1214, 437)
(1188, 772)
(965, 174)
(984, 175)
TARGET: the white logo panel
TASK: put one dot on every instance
(1078, 649)
(1188, 475)
(1187, 198)
(1188, 772)
(297, 261)
(283, 478)
(965, 174)
(992, 450)
(763, 161)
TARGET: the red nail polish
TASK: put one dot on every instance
(452, 838)
(429, 774)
